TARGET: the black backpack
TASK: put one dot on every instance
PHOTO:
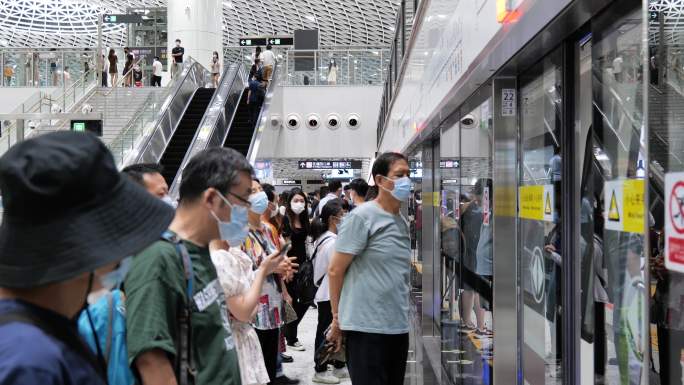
(306, 287)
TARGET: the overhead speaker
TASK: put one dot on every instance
(333, 121)
(276, 122)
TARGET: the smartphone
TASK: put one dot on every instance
(286, 247)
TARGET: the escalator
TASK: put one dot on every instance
(241, 129)
(185, 132)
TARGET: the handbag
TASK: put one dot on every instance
(290, 313)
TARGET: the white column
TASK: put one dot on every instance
(198, 24)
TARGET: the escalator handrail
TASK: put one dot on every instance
(153, 146)
(201, 140)
(259, 125)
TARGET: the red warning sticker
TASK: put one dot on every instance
(674, 221)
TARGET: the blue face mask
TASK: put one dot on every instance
(402, 188)
(259, 202)
(235, 231)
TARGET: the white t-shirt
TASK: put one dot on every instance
(268, 58)
(321, 263)
(157, 68)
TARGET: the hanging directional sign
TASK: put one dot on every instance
(281, 41)
(329, 164)
(252, 41)
(126, 18)
(674, 221)
(624, 205)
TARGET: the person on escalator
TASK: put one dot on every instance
(255, 97)
(215, 66)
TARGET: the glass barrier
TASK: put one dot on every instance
(334, 67)
(24, 67)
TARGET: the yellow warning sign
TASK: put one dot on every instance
(536, 202)
(613, 211)
(625, 205)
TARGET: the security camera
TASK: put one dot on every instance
(293, 121)
(353, 121)
(275, 122)
(86, 108)
(333, 122)
(468, 121)
(313, 121)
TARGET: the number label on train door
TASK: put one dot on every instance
(508, 102)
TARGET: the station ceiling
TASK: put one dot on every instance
(73, 23)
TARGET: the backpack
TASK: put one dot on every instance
(108, 316)
(306, 286)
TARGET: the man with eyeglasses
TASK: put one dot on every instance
(213, 204)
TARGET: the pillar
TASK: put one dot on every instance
(198, 24)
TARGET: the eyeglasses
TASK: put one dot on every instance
(242, 200)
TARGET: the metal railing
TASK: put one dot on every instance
(262, 120)
(152, 139)
(53, 67)
(215, 124)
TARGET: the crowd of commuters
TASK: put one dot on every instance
(201, 290)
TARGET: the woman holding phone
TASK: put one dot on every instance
(296, 229)
(262, 242)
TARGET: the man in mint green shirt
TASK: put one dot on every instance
(369, 279)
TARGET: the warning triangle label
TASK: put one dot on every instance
(613, 211)
(547, 204)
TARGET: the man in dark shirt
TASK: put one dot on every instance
(177, 53)
(69, 218)
(256, 97)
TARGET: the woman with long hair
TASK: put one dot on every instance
(127, 70)
(324, 231)
(296, 228)
(113, 70)
(215, 67)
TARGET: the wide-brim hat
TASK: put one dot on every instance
(67, 211)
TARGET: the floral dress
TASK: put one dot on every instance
(235, 273)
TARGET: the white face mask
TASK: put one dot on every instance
(297, 207)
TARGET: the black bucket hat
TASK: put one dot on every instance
(67, 210)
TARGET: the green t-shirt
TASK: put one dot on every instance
(155, 289)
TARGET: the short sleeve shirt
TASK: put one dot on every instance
(29, 356)
(180, 50)
(259, 245)
(156, 291)
(375, 293)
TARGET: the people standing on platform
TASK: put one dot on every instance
(471, 225)
(62, 247)
(484, 255)
(332, 73)
(262, 241)
(113, 69)
(269, 60)
(104, 70)
(369, 279)
(296, 228)
(324, 231)
(334, 191)
(249, 292)
(67, 76)
(358, 188)
(177, 54)
(175, 276)
(128, 71)
(157, 69)
(215, 66)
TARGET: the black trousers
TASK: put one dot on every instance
(670, 345)
(254, 109)
(269, 341)
(156, 81)
(103, 78)
(324, 320)
(600, 350)
(376, 359)
(300, 309)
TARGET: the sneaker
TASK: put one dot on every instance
(325, 378)
(286, 358)
(341, 372)
(297, 346)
